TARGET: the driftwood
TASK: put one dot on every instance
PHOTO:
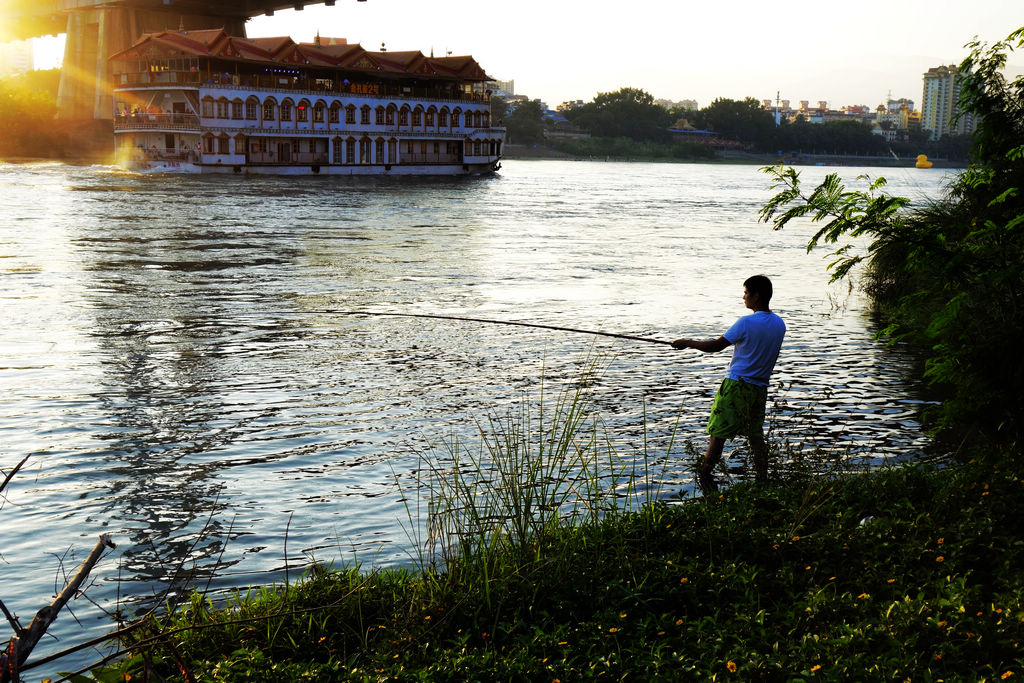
(25, 639)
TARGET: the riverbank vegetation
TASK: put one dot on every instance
(28, 104)
(904, 574)
(913, 572)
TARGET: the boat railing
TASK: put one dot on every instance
(439, 158)
(277, 83)
(271, 156)
(154, 153)
(147, 121)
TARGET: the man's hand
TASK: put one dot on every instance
(681, 344)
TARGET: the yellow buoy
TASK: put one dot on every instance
(922, 161)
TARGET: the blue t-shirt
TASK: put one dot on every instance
(757, 338)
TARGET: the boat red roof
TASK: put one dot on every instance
(334, 53)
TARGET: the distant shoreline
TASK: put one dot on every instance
(519, 152)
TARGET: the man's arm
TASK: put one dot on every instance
(705, 345)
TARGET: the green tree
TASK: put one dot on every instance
(628, 112)
(28, 104)
(524, 124)
(743, 120)
(499, 107)
(949, 277)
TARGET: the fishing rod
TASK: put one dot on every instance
(501, 322)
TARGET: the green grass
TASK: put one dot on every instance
(906, 573)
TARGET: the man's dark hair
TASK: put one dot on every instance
(760, 285)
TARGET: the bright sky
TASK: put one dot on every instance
(843, 53)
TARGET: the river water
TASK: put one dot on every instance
(174, 362)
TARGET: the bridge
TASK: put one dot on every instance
(97, 29)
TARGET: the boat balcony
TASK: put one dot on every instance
(162, 121)
(273, 83)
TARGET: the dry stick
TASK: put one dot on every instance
(10, 475)
(22, 644)
(500, 322)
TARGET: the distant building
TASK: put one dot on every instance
(687, 105)
(503, 89)
(15, 58)
(569, 105)
(893, 106)
(938, 104)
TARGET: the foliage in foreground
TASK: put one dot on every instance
(904, 574)
(949, 277)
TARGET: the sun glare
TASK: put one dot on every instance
(48, 52)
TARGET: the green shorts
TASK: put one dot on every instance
(738, 410)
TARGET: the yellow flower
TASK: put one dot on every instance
(679, 622)
(940, 558)
(941, 541)
(731, 666)
(1006, 675)
(622, 616)
(891, 581)
(612, 630)
(815, 667)
(684, 580)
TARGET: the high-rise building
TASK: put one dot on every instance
(938, 104)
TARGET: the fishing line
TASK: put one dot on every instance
(489, 321)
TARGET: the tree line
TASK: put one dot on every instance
(28, 104)
(632, 114)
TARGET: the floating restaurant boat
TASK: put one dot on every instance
(207, 102)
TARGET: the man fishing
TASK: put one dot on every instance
(739, 406)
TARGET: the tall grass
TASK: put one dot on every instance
(546, 465)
